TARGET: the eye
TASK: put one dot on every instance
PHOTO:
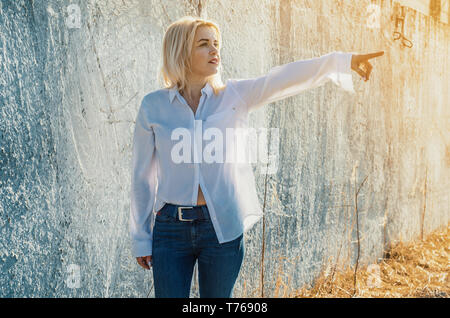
(215, 44)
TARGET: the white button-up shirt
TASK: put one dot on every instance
(170, 157)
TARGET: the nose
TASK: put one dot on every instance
(214, 49)
(214, 53)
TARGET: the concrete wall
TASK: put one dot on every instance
(438, 9)
(70, 91)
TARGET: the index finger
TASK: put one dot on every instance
(372, 55)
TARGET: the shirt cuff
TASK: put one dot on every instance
(142, 248)
(344, 76)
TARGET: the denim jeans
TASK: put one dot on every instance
(178, 245)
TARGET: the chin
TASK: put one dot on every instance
(211, 73)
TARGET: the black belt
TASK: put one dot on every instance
(186, 213)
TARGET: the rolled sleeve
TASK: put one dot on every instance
(343, 78)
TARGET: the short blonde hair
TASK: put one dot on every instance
(177, 46)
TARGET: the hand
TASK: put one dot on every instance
(145, 261)
(361, 65)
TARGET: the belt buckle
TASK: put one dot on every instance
(180, 213)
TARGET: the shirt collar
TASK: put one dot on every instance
(207, 89)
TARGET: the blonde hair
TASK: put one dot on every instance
(177, 46)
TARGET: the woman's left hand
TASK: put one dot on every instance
(361, 65)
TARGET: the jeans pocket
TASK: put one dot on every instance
(164, 218)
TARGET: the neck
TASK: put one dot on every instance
(193, 89)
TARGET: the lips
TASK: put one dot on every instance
(214, 61)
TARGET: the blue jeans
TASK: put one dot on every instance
(177, 245)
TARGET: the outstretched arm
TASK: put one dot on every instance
(292, 78)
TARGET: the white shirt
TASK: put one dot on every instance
(228, 187)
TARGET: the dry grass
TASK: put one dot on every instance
(418, 269)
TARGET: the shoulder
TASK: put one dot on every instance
(154, 100)
(156, 96)
(150, 105)
(229, 82)
(232, 87)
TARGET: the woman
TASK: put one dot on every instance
(188, 205)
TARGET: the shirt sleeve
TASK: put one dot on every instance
(290, 79)
(143, 185)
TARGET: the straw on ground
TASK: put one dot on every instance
(418, 269)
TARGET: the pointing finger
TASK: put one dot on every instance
(372, 55)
